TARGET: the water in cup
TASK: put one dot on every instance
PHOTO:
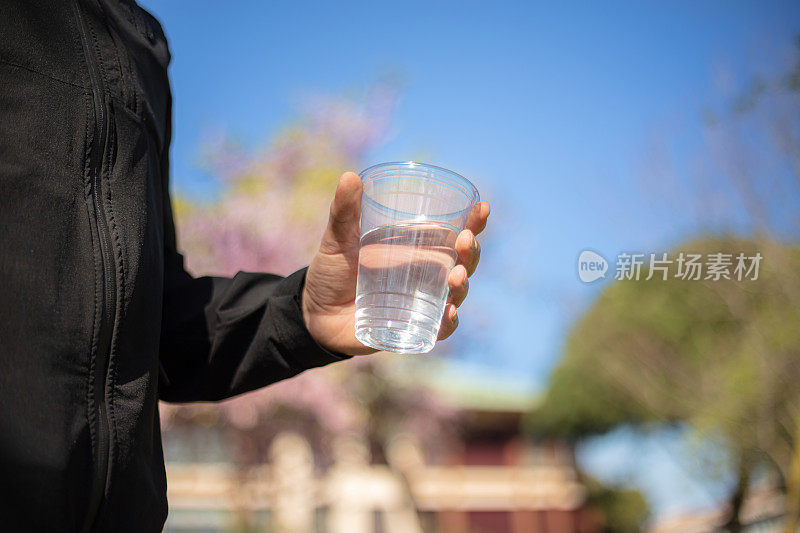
(402, 285)
(411, 214)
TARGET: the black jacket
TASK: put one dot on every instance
(98, 318)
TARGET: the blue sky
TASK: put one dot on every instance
(550, 108)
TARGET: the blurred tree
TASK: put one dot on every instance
(721, 356)
(624, 510)
(754, 138)
(272, 204)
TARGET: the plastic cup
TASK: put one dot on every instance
(411, 214)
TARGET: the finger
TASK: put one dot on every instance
(459, 285)
(468, 250)
(449, 322)
(476, 221)
(344, 214)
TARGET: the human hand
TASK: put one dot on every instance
(330, 290)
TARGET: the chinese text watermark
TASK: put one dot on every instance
(683, 266)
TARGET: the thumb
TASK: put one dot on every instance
(343, 222)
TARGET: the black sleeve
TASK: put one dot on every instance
(225, 336)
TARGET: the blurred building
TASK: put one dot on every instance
(491, 480)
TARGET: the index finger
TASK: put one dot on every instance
(476, 221)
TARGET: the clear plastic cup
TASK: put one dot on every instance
(411, 214)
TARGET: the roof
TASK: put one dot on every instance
(470, 386)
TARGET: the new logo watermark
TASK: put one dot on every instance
(591, 266)
(684, 266)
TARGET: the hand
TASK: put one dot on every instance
(330, 290)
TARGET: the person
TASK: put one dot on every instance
(99, 317)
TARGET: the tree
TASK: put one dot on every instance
(272, 203)
(721, 356)
(624, 510)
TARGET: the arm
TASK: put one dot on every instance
(222, 337)
(225, 336)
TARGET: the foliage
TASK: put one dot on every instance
(624, 510)
(722, 356)
(272, 204)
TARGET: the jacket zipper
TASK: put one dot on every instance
(100, 143)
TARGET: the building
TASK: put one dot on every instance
(491, 479)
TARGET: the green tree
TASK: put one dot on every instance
(719, 356)
(722, 356)
(624, 510)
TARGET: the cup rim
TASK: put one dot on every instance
(473, 196)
